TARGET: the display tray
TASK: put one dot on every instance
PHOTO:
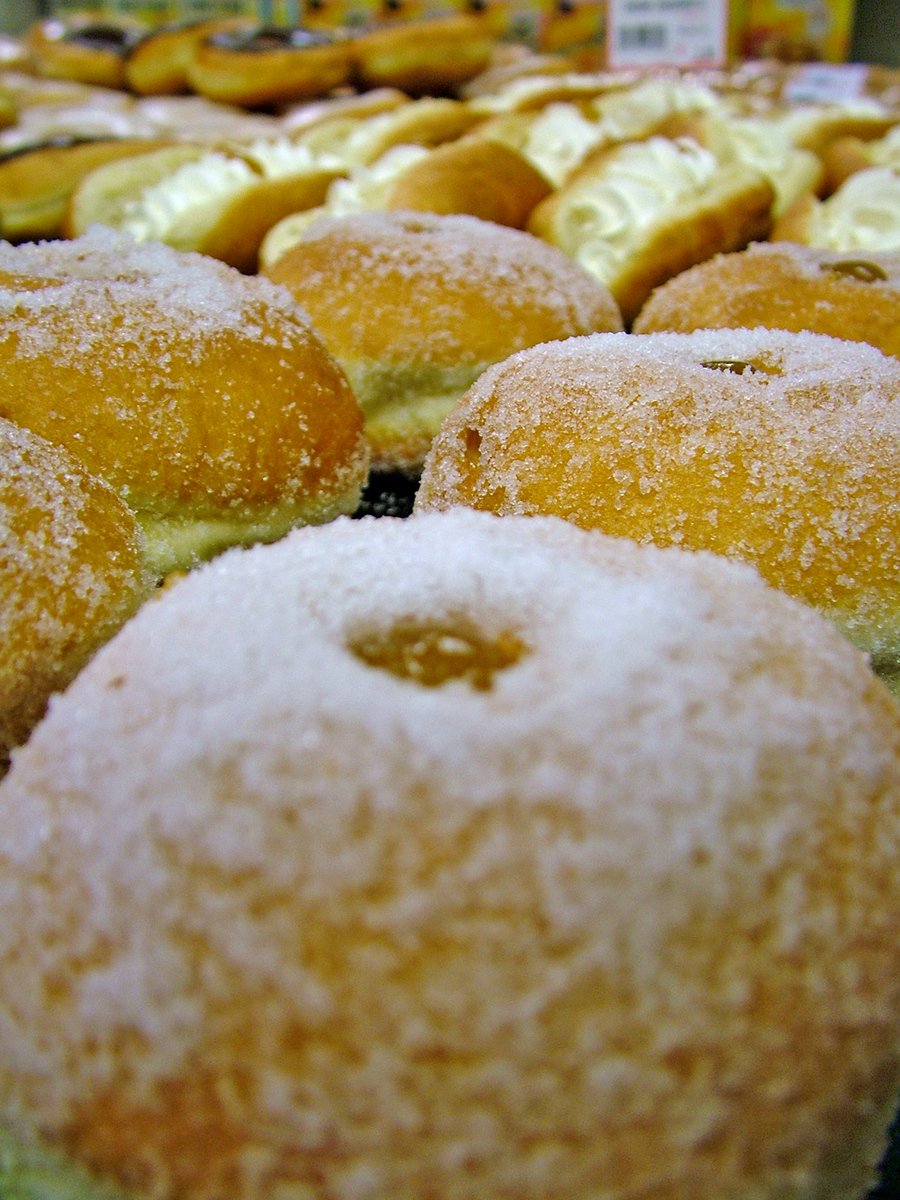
(388, 494)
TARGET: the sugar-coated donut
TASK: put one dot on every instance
(444, 296)
(458, 857)
(782, 285)
(202, 395)
(264, 66)
(70, 573)
(781, 449)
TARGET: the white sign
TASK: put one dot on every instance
(646, 33)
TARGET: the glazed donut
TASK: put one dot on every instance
(423, 57)
(456, 857)
(444, 297)
(70, 574)
(779, 449)
(264, 66)
(779, 285)
(158, 64)
(201, 395)
(82, 49)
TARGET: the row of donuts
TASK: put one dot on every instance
(224, 409)
(471, 854)
(620, 173)
(339, 838)
(239, 61)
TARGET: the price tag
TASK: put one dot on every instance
(828, 82)
(646, 33)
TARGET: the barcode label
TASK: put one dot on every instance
(643, 37)
(645, 33)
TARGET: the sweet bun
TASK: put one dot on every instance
(425, 56)
(636, 214)
(201, 395)
(457, 857)
(779, 449)
(779, 285)
(71, 571)
(83, 49)
(262, 66)
(444, 296)
(862, 215)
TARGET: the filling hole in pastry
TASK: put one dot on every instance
(432, 653)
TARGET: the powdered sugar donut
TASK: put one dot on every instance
(781, 449)
(70, 573)
(460, 857)
(202, 395)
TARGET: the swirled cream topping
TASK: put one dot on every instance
(370, 187)
(197, 188)
(559, 139)
(634, 113)
(278, 158)
(609, 212)
(767, 148)
(863, 214)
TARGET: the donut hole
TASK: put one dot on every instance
(860, 269)
(742, 366)
(432, 653)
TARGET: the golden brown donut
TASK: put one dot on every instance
(157, 64)
(427, 56)
(779, 449)
(83, 49)
(71, 571)
(444, 296)
(263, 66)
(472, 175)
(845, 156)
(456, 857)
(202, 395)
(780, 285)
